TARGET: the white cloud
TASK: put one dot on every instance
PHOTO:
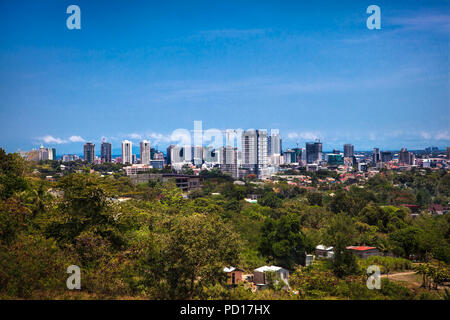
(307, 135)
(51, 139)
(134, 136)
(423, 21)
(443, 136)
(76, 139)
(159, 137)
(425, 135)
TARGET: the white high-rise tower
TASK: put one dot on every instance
(127, 152)
(145, 152)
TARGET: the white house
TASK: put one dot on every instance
(324, 252)
(260, 278)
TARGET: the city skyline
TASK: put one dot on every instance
(309, 70)
(136, 147)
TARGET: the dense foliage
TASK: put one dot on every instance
(148, 241)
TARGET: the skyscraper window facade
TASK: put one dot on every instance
(105, 151)
(89, 152)
(127, 153)
(145, 152)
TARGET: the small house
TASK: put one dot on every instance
(234, 275)
(436, 209)
(364, 252)
(260, 275)
(324, 252)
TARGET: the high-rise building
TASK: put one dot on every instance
(376, 156)
(254, 151)
(127, 152)
(348, 150)
(210, 154)
(386, 156)
(152, 153)
(403, 156)
(197, 152)
(313, 151)
(105, 151)
(43, 153)
(298, 154)
(406, 157)
(89, 152)
(448, 153)
(229, 160)
(289, 156)
(335, 159)
(145, 152)
(411, 158)
(175, 154)
(274, 143)
(46, 154)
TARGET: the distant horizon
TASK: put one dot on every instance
(115, 152)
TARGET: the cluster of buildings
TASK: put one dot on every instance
(148, 156)
(259, 279)
(40, 154)
(260, 154)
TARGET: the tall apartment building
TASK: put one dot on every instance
(349, 150)
(145, 152)
(210, 154)
(289, 156)
(197, 152)
(175, 154)
(229, 160)
(46, 154)
(105, 151)
(376, 156)
(274, 143)
(127, 152)
(406, 157)
(254, 151)
(43, 153)
(403, 156)
(313, 151)
(386, 156)
(89, 152)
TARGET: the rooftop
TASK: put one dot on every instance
(360, 248)
(268, 268)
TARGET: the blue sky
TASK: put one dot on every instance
(141, 69)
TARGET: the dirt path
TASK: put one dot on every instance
(393, 275)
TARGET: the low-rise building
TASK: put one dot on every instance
(437, 209)
(261, 279)
(364, 252)
(324, 252)
(234, 275)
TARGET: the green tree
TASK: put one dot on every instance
(12, 172)
(341, 233)
(283, 241)
(314, 198)
(191, 256)
(404, 241)
(270, 199)
(85, 206)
